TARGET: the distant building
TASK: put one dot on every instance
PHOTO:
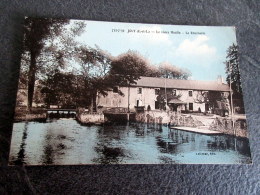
(181, 95)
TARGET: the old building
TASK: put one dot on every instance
(149, 94)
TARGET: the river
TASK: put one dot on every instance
(66, 142)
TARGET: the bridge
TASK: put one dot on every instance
(60, 109)
(60, 113)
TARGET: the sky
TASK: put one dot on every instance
(200, 49)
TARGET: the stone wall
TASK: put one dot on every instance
(31, 117)
(90, 118)
(169, 117)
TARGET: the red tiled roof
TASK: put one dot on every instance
(181, 84)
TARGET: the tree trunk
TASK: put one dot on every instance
(93, 102)
(31, 80)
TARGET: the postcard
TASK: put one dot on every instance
(93, 92)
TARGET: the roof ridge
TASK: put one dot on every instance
(215, 81)
(156, 82)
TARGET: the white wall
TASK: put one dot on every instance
(148, 97)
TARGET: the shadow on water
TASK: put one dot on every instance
(109, 155)
(226, 142)
(108, 152)
(48, 151)
(54, 147)
(112, 141)
(21, 154)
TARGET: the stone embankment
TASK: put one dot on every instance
(21, 114)
(31, 117)
(168, 118)
(91, 118)
(88, 118)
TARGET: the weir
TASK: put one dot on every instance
(61, 113)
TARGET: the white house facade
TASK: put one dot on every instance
(187, 94)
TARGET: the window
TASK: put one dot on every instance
(157, 91)
(190, 106)
(174, 92)
(190, 93)
(115, 89)
(206, 107)
(156, 105)
(139, 90)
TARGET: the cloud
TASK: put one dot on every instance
(197, 47)
(196, 52)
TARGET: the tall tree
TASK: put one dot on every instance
(35, 32)
(95, 66)
(232, 70)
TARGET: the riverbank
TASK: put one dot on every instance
(209, 122)
(36, 114)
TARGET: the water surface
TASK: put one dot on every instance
(65, 141)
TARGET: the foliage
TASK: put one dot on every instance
(163, 97)
(47, 45)
(232, 70)
(59, 89)
(168, 70)
(95, 65)
(36, 30)
(128, 67)
(210, 97)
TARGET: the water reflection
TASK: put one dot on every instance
(64, 141)
(21, 154)
(108, 148)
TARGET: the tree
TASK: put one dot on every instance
(128, 67)
(59, 89)
(232, 70)
(35, 32)
(95, 66)
(211, 98)
(164, 97)
(168, 70)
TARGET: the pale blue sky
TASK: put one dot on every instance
(203, 54)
